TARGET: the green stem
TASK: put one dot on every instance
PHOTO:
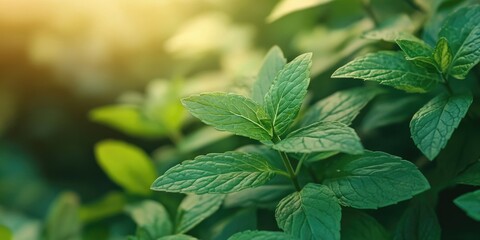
(446, 83)
(288, 166)
(300, 163)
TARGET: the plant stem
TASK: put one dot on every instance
(446, 84)
(300, 163)
(288, 166)
(369, 11)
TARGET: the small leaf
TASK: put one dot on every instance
(416, 50)
(63, 220)
(357, 225)
(151, 217)
(342, 106)
(373, 180)
(260, 235)
(432, 126)
(442, 55)
(273, 62)
(470, 203)
(285, 97)
(286, 7)
(230, 112)
(5, 233)
(471, 176)
(177, 237)
(109, 205)
(312, 213)
(126, 165)
(462, 30)
(391, 69)
(195, 208)
(321, 137)
(216, 173)
(418, 222)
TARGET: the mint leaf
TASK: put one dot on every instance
(177, 237)
(418, 222)
(195, 208)
(342, 106)
(216, 173)
(230, 112)
(312, 213)
(285, 97)
(470, 203)
(126, 165)
(260, 235)
(357, 225)
(109, 205)
(471, 176)
(272, 64)
(286, 7)
(416, 50)
(434, 123)
(442, 55)
(63, 221)
(373, 180)
(151, 218)
(320, 137)
(391, 69)
(462, 30)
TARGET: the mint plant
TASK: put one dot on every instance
(292, 146)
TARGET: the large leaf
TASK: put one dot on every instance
(195, 208)
(432, 126)
(272, 64)
(230, 112)
(357, 225)
(260, 235)
(389, 68)
(285, 97)
(151, 217)
(462, 30)
(286, 7)
(342, 106)
(374, 179)
(471, 176)
(312, 213)
(470, 203)
(322, 137)
(216, 173)
(126, 165)
(418, 222)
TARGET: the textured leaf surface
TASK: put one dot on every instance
(442, 55)
(342, 106)
(260, 235)
(126, 165)
(415, 49)
(195, 208)
(471, 176)
(152, 217)
(230, 112)
(418, 222)
(285, 97)
(462, 30)
(374, 179)
(434, 123)
(272, 64)
(320, 137)
(357, 225)
(216, 173)
(389, 68)
(312, 213)
(470, 203)
(286, 7)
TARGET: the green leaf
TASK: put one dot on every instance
(63, 221)
(195, 208)
(109, 205)
(462, 30)
(286, 7)
(470, 203)
(391, 69)
(152, 217)
(342, 106)
(321, 137)
(432, 126)
(5, 233)
(416, 50)
(201, 138)
(442, 55)
(471, 176)
(126, 165)
(312, 213)
(260, 235)
(285, 97)
(373, 180)
(357, 225)
(216, 173)
(230, 112)
(177, 237)
(418, 222)
(273, 62)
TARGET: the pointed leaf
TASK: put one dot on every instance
(434, 123)
(442, 55)
(470, 203)
(416, 50)
(374, 179)
(216, 173)
(151, 218)
(471, 176)
(357, 225)
(230, 112)
(285, 97)
(272, 64)
(462, 30)
(418, 222)
(389, 68)
(286, 7)
(260, 235)
(195, 208)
